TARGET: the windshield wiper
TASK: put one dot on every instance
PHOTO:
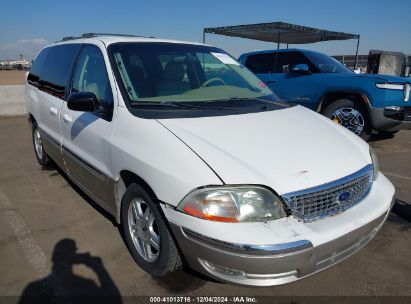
(179, 105)
(165, 104)
(192, 106)
(239, 99)
(182, 105)
(257, 99)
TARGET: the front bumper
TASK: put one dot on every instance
(300, 249)
(281, 264)
(385, 119)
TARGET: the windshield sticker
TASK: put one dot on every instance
(224, 58)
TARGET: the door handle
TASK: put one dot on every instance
(53, 110)
(67, 118)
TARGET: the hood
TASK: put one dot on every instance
(288, 150)
(386, 78)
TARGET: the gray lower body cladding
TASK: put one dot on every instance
(382, 122)
(277, 268)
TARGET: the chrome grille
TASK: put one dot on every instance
(331, 198)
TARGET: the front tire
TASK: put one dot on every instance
(146, 232)
(41, 155)
(350, 115)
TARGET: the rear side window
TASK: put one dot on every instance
(57, 69)
(34, 76)
(285, 62)
(260, 63)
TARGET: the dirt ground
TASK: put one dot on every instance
(41, 213)
(12, 77)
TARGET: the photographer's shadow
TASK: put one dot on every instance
(62, 282)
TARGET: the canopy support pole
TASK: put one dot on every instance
(278, 40)
(356, 53)
(204, 36)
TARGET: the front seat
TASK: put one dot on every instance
(173, 83)
(139, 82)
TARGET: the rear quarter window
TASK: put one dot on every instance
(57, 68)
(35, 72)
(285, 62)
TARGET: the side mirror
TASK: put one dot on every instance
(301, 69)
(83, 101)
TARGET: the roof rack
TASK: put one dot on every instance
(91, 35)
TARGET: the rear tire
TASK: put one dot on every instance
(41, 155)
(146, 232)
(350, 115)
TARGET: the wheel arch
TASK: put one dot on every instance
(127, 177)
(358, 97)
(31, 119)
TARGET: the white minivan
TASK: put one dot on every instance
(199, 161)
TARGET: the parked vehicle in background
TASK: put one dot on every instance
(361, 103)
(17, 67)
(199, 162)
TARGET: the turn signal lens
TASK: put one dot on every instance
(215, 206)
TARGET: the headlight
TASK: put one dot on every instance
(406, 88)
(375, 164)
(233, 204)
(390, 86)
(407, 92)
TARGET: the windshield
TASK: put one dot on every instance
(326, 64)
(171, 72)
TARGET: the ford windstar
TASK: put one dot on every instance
(200, 163)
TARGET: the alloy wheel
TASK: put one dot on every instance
(38, 145)
(349, 118)
(144, 230)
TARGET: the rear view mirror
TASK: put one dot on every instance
(301, 69)
(82, 101)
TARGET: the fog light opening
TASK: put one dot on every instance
(224, 271)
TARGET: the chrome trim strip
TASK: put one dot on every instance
(328, 185)
(107, 202)
(98, 186)
(53, 148)
(98, 174)
(272, 276)
(51, 140)
(272, 249)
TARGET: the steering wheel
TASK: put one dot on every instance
(207, 82)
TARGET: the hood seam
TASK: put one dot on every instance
(218, 176)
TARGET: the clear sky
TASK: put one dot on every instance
(26, 26)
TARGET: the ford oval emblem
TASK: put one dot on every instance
(344, 196)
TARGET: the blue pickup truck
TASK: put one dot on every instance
(361, 103)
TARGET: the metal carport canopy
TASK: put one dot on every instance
(281, 32)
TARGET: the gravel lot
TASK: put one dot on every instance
(12, 102)
(39, 208)
(12, 77)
